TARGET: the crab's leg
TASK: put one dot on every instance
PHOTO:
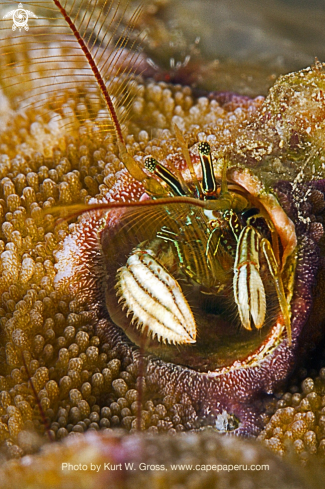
(247, 283)
(155, 299)
(276, 275)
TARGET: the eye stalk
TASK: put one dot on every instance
(209, 185)
(153, 166)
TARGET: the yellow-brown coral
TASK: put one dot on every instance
(298, 423)
(81, 384)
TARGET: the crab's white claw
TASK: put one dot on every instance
(250, 296)
(155, 299)
(248, 286)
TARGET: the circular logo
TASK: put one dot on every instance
(20, 18)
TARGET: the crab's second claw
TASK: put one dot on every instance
(250, 296)
(248, 286)
(155, 299)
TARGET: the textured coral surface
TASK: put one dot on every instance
(299, 420)
(82, 382)
(73, 373)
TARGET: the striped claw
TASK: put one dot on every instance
(155, 299)
(248, 286)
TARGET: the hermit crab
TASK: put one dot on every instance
(201, 246)
(206, 248)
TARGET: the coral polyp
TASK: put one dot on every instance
(298, 423)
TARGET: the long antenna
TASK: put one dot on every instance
(76, 50)
(96, 72)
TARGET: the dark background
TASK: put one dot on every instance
(251, 41)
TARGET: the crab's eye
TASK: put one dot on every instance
(209, 185)
(152, 165)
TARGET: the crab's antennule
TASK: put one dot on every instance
(151, 185)
(224, 185)
(186, 154)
